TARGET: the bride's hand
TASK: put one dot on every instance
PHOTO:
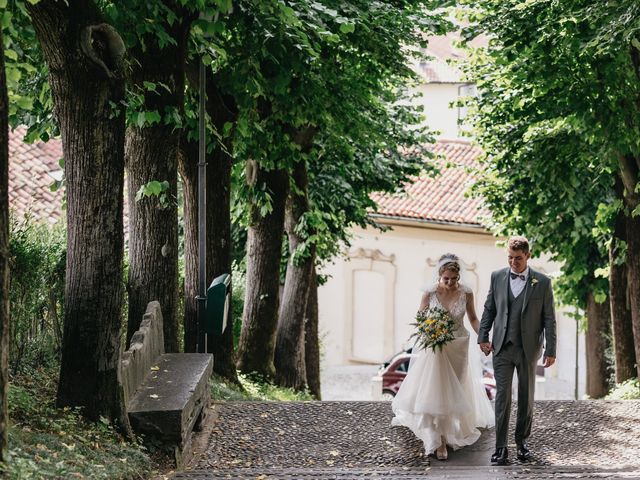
(486, 348)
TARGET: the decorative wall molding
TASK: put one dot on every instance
(372, 254)
(371, 260)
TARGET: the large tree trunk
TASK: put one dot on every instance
(188, 168)
(218, 238)
(312, 339)
(621, 325)
(221, 110)
(152, 154)
(4, 255)
(598, 327)
(629, 175)
(289, 353)
(84, 56)
(264, 251)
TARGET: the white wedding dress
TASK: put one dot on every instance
(441, 396)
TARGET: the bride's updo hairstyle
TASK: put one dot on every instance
(449, 262)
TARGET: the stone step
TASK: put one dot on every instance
(441, 472)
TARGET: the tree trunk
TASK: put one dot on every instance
(311, 338)
(289, 353)
(4, 256)
(629, 175)
(598, 327)
(633, 282)
(152, 154)
(218, 238)
(621, 325)
(188, 168)
(87, 87)
(264, 251)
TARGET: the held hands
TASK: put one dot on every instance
(486, 348)
(548, 361)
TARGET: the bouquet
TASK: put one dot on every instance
(435, 328)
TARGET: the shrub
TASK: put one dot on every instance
(238, 279)
(37, 261)
(629, 390)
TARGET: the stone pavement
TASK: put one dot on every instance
(354, 440)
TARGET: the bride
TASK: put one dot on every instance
(442, 399)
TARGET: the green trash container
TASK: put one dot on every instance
(218, 305)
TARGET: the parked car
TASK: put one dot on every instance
(393, 371)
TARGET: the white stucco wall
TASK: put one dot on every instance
(382, 284)
(440, 115)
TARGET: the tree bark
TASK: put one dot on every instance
(84, 56)
(621, 325)
(311, 338)
(289, 353)
(598, 323)
(152, 154)
(4, 256)
(264, 251)
(629, 176)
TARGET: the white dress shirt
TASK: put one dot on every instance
(517, 284)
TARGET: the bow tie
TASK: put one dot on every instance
(517, 275)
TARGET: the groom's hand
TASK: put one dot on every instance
(548, 361)
(486, 348)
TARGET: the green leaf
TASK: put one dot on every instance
(141, 119)
(347, 27)
(10, 54)
(152, 117)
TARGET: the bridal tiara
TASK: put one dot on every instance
(448, 258)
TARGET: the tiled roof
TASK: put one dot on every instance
(32, 168)
(441, 199)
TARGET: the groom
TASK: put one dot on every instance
(520, 309)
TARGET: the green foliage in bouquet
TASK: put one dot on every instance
(435, 328)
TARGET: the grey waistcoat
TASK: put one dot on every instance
(515, 316)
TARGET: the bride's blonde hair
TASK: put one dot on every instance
(450, 262)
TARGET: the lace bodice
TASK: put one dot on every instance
(456, 310)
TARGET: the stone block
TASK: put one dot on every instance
(147, 345)
(173, 399)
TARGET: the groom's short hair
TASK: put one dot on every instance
(520, 243)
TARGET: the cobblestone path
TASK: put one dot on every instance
(353, 440)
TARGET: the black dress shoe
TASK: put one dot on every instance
(500, 456)
(523, 452)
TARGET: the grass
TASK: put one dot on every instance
(253, 389)
(48, 442)
(629, 390)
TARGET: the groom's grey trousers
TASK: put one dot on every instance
(511, 357)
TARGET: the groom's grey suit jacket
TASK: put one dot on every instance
(538, 319)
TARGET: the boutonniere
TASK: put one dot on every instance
(534, 280)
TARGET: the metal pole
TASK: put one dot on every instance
(577, 357)
(202, 206)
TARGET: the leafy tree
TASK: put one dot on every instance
(557, 119)
(84, 56)
(158, 49)
(323, 88)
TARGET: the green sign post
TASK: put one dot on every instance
(218, 304)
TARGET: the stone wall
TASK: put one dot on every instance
(147, 344)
